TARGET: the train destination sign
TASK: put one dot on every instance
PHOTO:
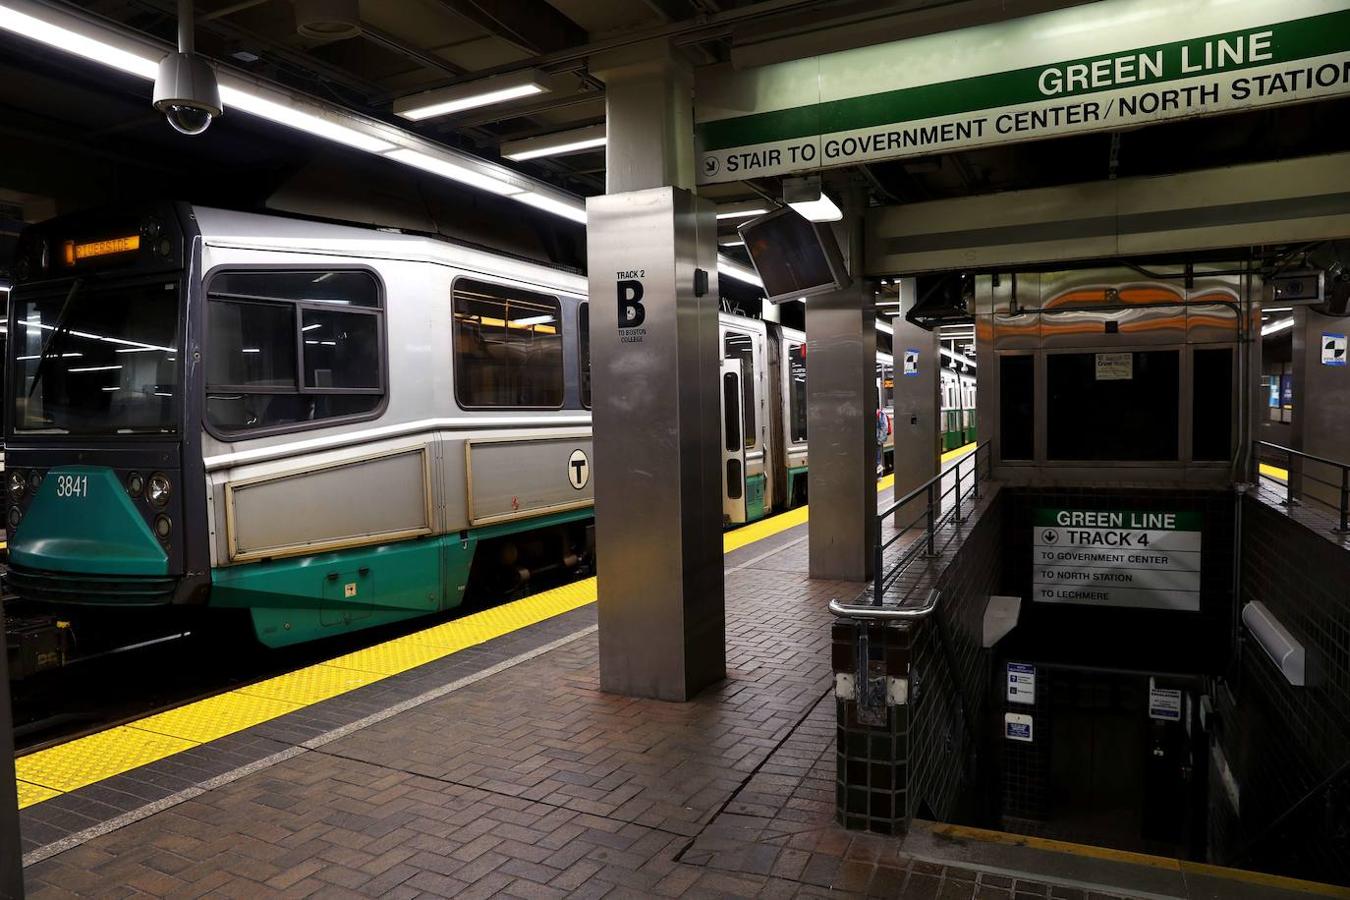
(1099, 67)
(1143, 559)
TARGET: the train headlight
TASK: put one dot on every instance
(34, 481)
(159, 487)
(17, 485)
(163, 527)
(14, 517)
(135, 484)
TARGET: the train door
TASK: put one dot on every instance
(733, 444)
(747, 348)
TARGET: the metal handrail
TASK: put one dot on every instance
(1343, 509)
(889, 614)
(932, 516)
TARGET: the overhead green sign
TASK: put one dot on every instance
(1092, 68)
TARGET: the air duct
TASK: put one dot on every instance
(327, 20)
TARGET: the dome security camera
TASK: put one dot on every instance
(187, 93)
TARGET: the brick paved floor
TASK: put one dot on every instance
(532, 783)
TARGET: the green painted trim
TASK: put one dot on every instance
(1292, 41)
(754, 497)
(295, 600)
(98, 531)
(796, 470)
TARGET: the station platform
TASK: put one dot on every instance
(501, 769)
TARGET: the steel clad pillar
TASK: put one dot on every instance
(11, 849)
(841, 409)
(652, 262)
(1322, 386)
(917, 406)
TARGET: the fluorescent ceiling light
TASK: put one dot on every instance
(288, 113)
(69, 32)
(454, 171)
(533, 320)
(459, 97)
(732, 242)
(1275, 309)
(558, 144)
(735, 270)
(1277, 326)
(808, 198)
(822, 209)
(80, 44)
(745, 212)
(574, 211)
(885, 328)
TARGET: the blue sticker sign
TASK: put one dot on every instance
(1021, 683)
(1333, 349)
(1017, 727)
(911, 361)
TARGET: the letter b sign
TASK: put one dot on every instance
(631, 313)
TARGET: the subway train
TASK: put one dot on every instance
(321, 427)
(957, 387)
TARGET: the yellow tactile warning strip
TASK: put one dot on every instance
(34, 793)
(959, 451)
(84, 761)
(963, 832)
(94, 757)
(1275, 472)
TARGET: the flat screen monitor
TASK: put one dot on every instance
(794, 257)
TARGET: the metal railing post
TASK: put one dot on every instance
(11, 848)
(956, 516)
(876, 563)
(975, 475)
(1289, 479)
(1345, 499)
(932, 518)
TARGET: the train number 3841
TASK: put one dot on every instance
(72, 486)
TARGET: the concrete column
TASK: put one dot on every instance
(841, 399)
(1321, 397)
(652, 248)
(649, 118)
(11, 849)
(917, 403)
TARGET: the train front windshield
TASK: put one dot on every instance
(101, 360)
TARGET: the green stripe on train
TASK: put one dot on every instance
(304, 598)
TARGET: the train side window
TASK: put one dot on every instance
(584, 348)
(291, 349)
(731, 427)
(797, 391)
(340, 349)
(742, 347)
(252, 345)
(508, 347)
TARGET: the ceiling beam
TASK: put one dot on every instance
(532, 25)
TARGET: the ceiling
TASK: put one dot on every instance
(74, 135)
